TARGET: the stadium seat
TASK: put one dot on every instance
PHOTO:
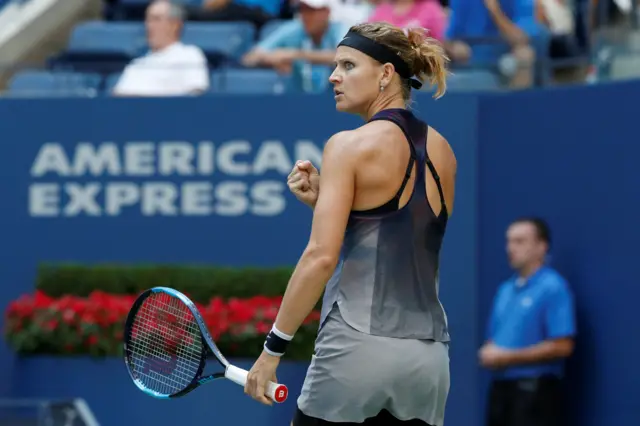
(110, 82)
(248, 81)
(223, 43)
(473, 80)
(270, 27)
(216, 82)
(37, 83)
(102, 47)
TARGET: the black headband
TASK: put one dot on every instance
(380, 53)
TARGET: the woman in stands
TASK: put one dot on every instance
(411, 13)
(381, 205)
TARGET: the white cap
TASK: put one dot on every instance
(317, 4)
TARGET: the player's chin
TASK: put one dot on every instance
(342, 105)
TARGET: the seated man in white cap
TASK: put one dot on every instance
(304, 47)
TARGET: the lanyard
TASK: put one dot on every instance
(307, 69)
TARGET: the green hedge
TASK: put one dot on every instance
(199, 282)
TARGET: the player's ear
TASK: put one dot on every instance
(387, 74)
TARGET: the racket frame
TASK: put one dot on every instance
(235, 374)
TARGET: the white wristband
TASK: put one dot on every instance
(270, 352)
(280, 334)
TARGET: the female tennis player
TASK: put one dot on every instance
(380, 208)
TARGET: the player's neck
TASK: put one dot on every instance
(382, 104)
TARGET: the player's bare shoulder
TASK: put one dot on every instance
(372, 139)
(342, 142)
(440, 151)
(354, 143)
(377, 131)
(444, 160)
(342, 148)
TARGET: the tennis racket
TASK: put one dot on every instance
(166, 346)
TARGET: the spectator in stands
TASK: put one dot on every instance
(258, 12)
(352, 12)
(530, 333)
(303, 47)
(510, 21)
(560, 21)
(427, 14)
(170, 68)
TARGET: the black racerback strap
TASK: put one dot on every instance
(400, 121)
(394, 203)
(436, 177)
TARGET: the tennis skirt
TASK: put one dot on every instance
(353, 376)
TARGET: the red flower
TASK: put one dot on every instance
(41, 300)
(68, 316)
(270, 313)
(51, 325)
(241, 311)
(261, 302)
(81, 323)
(263, 328)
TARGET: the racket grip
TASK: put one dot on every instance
(277, 392)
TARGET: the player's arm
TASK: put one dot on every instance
(544, 351)
(444, 160)
(560, 328)
(268, 52)
(321, 57)
(330, 216)
(514, 35)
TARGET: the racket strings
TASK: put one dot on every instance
(166, 366)
(166, 348)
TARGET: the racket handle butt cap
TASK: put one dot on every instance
(276, 391)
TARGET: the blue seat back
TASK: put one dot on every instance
(38, 83)
(473, 80)
(248, 81)
(110, 82)
(99, 37)
(226, 40)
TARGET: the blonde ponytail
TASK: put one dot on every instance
(428, 60)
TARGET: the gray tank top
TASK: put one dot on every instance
(386, 282)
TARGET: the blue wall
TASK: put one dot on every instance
(571, 156)
(562, 154)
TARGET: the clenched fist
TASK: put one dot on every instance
(304, 182)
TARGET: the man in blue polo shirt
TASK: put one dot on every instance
(530, 333)
(303, 48)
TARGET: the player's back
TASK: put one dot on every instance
(382, 341)
(386, 282)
